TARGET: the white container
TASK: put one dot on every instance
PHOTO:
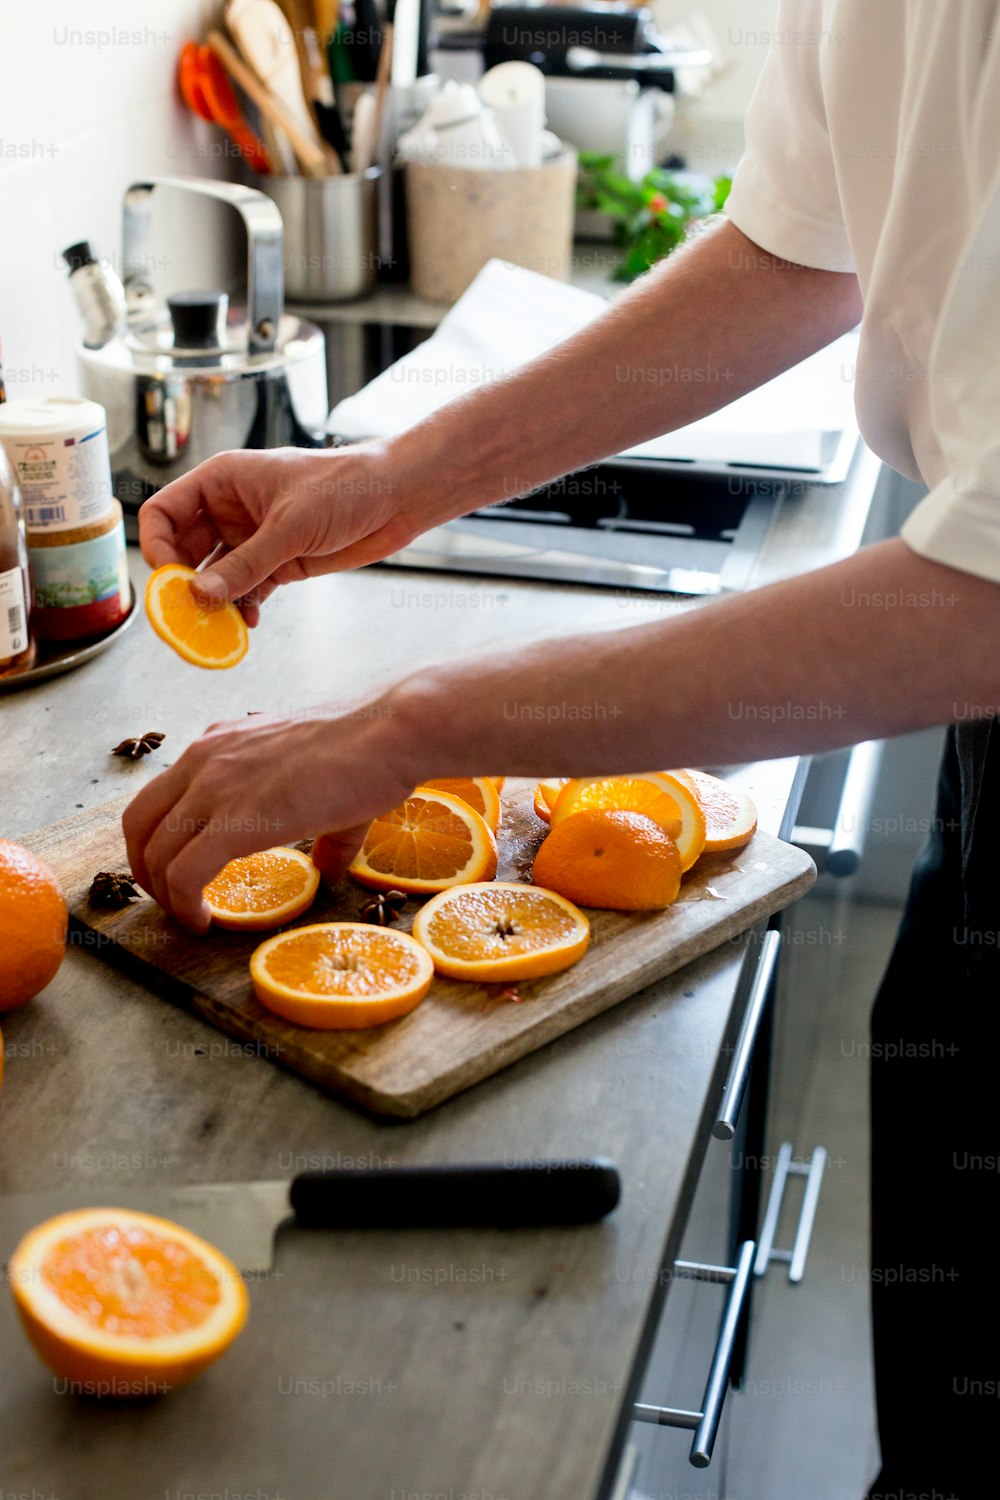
(515, 92)
(458, 219)
(58, 450)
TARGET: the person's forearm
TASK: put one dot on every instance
(717, 319)
(880, 644)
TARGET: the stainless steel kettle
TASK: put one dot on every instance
(192, 378)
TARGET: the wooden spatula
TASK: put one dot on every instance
(266, 41)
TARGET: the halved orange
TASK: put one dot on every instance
(646, 792)
(123, 1303)
(497, 931)
(431, 841)
(479, 792)
(618, 860)
(209, 637)
(730, 815)
(546, 795)
(658, 794)
(262, 890)
(338, 976)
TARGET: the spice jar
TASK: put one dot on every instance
(17, 648)
(79, 579)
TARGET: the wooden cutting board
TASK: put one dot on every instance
(461, 1033)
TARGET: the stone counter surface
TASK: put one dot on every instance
(375, 1366)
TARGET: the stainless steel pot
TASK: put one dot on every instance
(192, 378)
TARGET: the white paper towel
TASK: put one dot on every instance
(509, 315)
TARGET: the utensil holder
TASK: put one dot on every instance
(459, 218)
(331, 234)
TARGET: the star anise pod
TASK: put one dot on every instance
(135, 749)
(113, 891)
(384, 908)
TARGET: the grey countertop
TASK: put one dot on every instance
(375, 1366)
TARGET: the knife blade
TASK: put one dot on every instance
(242, 1219)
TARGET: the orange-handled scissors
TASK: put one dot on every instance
(207, 92)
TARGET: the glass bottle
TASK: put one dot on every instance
(17, 649)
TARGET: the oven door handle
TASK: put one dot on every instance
(706, 1422)
(739, 1071)
(838, 850)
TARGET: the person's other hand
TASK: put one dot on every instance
(282, 514)
(258, 782)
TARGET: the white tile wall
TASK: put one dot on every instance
(88, 104)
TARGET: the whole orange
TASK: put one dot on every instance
(33, 922)
(620, 860)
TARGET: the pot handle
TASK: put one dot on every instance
(265, 271)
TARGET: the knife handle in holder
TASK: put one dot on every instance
(519, 1194)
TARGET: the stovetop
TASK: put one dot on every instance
(622, 524)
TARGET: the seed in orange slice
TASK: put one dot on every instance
(546, 795)
(478, 791)
(730, 815)
(339, 976)
(618, 860)
(209, 637)
(262, 890)
(498, 931)
(125, 1304)
(431, 841)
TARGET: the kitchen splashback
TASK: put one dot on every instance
(88, 103)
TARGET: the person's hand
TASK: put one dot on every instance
(259, 782)
(282, 514)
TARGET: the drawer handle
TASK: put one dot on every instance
(838, 850)
(785, 1167)
(735, 1087)
(706, 1422)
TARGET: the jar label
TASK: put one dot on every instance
(13, 624)
(80, 574)
(65, 482)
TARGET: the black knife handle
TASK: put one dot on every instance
(518, 1194)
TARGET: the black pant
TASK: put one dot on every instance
(936, 1147)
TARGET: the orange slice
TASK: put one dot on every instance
(338, 976)
(479, 792)
(216, 637)
(262, 890)
(546, 796)
(730, 815)
(498, 782)
(620, 860)
(431, 841)
(498, 931)
(125, 1304)
(658, 794)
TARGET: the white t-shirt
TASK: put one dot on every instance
(873, 144)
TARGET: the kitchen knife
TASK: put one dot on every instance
(242, 1218)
